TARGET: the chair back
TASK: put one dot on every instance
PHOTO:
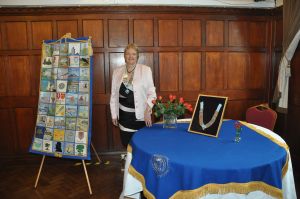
(261, 115)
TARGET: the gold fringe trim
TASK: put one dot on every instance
(141, 178)
(281, 144)
(129, 148)
(241, 188)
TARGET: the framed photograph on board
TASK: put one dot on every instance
(208, 115)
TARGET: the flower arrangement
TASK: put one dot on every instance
(238, 126)
(172, 106)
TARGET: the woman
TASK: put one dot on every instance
(132, 92)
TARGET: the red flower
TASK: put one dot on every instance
(160, 97)
(181, 101)
(237, 125)
(171, 97)
(153, 101)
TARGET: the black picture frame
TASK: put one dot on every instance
(209, 125)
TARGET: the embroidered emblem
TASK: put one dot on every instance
(160, 164)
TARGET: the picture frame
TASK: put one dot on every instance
(208, 115)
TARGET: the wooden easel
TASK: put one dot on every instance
(84, 167)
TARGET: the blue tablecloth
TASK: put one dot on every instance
(169, 162)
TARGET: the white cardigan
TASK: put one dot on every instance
(143, 90)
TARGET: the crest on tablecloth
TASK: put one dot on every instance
(160, 164)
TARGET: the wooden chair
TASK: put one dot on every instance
(261, 115)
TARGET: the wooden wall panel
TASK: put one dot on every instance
(191, 69)
(100, 137)
(214, 33)
(257, 71)
(25, 123)
(214, 70)
(115, 60)
(16, 34)
(143, 32)
(67, 26)
(169, 71)
(238, 33)
(257, 34)
(3, 83)
(146, 59)
(1, 37)
(237, 68)
(278, 33)
(191, 33)
(8, 142)
(41, 31)
(35, 65)
(94, 28)
(118, 33)
(168, 32)
(236, 109)
(99, 74)
(18, 76)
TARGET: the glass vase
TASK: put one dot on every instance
(169, 121)
(237, 136)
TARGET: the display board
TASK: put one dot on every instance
(208, 115)
(64, 115)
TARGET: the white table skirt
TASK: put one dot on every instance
(132, 187)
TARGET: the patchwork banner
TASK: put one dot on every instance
(63, 125)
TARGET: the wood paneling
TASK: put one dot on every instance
(25, 123)
(214, 70)
(191, 33)
(35, 62)
(16, 34)
(3, 84)
(278, 33)
(146, 59)
(118, 33)
(214, 33)
(168, 71)
(18, 76)
(94, 28)
(98, 74)
(40, 31)
(168, 32)
(143, 32)
(238, 33)
(8, 142)
(100, 137)
(191, 69)
(1, 37)
(236, 70)
(68, 26)
(116, 60)
(257, 34)
(257, 71)
(213, 51)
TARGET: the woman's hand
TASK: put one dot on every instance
(115, 122)
(147, 117)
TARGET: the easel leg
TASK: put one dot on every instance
(38, 176)
(99, 160)
(87, 177)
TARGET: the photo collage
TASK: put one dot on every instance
(62, 126)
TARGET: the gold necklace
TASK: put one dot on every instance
(212, 120)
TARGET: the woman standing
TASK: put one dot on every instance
(132, 92)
